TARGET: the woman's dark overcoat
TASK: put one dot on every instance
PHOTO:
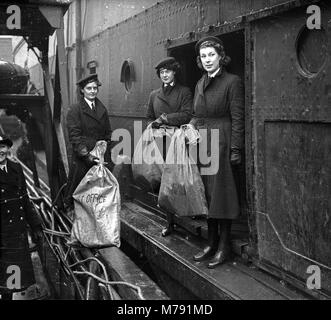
(16, 213)
(176, 103)
(219, 104)
(85, 128)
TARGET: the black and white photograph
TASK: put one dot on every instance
(166, 154)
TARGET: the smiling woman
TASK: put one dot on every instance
(219, 107)
(87, 123)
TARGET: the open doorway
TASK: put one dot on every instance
(234, 44)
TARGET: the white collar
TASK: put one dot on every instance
(214, 73)
(4, 166)
(89, 102)
(171, 84)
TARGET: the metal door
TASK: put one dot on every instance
(291, 142)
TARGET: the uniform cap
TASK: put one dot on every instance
(205, 39)
(90, 78)
(165, 63)
(6, 141)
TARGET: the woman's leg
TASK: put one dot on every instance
(212, 241)
(224, 248)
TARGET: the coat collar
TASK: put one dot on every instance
(201, 84)
(97, 115)
(160, 93)
(11, 165)
(10, 178)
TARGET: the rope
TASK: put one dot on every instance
(103, 269)
(113, 282)
(58, 194)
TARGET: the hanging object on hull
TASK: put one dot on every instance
(13, 78)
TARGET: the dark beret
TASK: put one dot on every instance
(90, 78)
(6, 141)
(204, 39)
(165, 63)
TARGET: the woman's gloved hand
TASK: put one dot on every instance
(157, 123)
(91, 160)
(235, 157)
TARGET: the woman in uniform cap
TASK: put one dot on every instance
(16, 213)
(87, 123)
(171, 104)
(219, 104)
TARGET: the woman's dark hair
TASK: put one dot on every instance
(225, 60)
(174, 66)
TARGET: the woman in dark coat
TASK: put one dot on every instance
(87, 123)
(16, 212)
(219, 104)
(169, 105)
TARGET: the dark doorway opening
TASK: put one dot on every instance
(234, 44)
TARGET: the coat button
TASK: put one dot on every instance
(2, 190)
(21, 208)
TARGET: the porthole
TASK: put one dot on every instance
(127, 74)
(311, 51)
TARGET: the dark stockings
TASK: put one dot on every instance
(170, 225)
(218, 247)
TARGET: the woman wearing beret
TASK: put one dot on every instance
(171, 105)
(87, 123)
(219, 104)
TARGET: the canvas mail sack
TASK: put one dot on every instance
(147, 161)
(97, 206)
(182, 191)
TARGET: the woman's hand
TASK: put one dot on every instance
(91, 160)
(192, 135)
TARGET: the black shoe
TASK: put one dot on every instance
(166, 231)
(204, 254)
(219, 258)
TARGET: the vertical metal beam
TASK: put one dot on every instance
(50, 140)
(59, 116)
(249, 127)
(79, 70)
